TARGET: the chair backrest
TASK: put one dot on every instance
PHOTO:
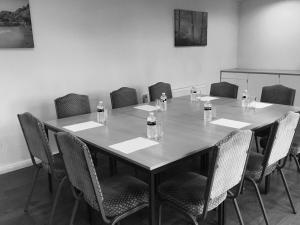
(80, 169)
(224, 89)
(36, 139)
(123, 97)
(281, 138)
(278, 94)
(230, 162)
(72, 105)
(157, 89)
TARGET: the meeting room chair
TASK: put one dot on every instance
(123, 97)
(295, 151)
(224, 89)
(275, 94)
(275, 157)
(39, 149)
(114, 198)
(72, 105)
(157, 89)
(278, 94)
(195, 195)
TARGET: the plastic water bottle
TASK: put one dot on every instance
(193, 94)
(208, 115)
(163, 101)
(100, 113)
(244, 98)
(151, 126)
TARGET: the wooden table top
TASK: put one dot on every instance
(185, 132)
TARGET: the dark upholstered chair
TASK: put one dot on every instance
(276, 94)
(72, 105)
(295, 151)
(157, 89)
(115, 199)
(276, 152)
(123, 97)
(38, 146)
(224, 89)
(194, 195)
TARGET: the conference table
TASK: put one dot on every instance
(186, 135)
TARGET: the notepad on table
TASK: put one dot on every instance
(82, 126)
(148, 108)
(133, 145)
(230, 123)
(260, 105)
(207, 98)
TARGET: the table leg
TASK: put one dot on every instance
(152, 200)
(267, 183)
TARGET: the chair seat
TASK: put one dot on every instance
(58, 167)
(255, 166)
(263, 142)
(296, 148)
(187, 191)
(123, 193)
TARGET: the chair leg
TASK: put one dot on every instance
(35, 176)
(238, 212)
(296, 161)
(159, 214)
(57, 194)
(221, 214)
(267, 183)
(260, 200)
(287, 190)
(256, 143)
(74, 211)
(50, 185)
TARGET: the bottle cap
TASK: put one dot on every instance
(151, 113)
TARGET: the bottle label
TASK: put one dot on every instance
(151, 123)
(244, 96)
(100, 110)
(207, 108)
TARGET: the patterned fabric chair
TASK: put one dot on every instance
(194, 195)
(72, 105)
(116, 197)
(277, 150)
(123, 97)
(38, 146)
(157, 89)
(295, 151)
(224, 89)
(275, 94)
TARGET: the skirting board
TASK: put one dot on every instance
(15, 166)
(18, 165)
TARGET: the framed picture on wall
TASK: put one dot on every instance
(190, 28)
(15, 24)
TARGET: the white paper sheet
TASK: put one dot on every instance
(148, 108)
(207, 98)
(133, 145)
(82, 126)
(230, 123)
(261, 105)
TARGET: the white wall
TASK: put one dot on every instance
(96, 46)
(269, 37)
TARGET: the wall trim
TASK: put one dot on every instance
(15, 166)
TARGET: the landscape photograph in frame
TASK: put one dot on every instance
(15, 24)
(190, 28)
